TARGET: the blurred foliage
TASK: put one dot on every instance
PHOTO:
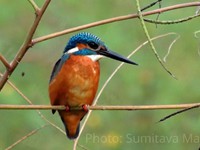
(145, 84)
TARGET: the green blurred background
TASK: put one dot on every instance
(145, 84)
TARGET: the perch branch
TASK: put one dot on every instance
(115, 19)
(27, 44)
(101, 107)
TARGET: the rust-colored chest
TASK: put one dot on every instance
(76, 83)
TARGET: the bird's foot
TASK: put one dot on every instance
(67, 108)
(85, 107)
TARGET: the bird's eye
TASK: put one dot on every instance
(93, 45)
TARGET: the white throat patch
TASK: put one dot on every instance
(95, 57)
(92, 57)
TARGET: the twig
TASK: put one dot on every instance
(169, 49)
(81, 146)
(35, 6)
(100, 107)
(197, 37)
(5, 62)
(178, 112)
(149, 39)
(196, 34)
(30, 102)
(150, 5)
(115, 19)
(27, 44)
(171, 21)
(25, 137)
(131, 54)
(198, 10)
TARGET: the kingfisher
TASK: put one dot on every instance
(75, 77)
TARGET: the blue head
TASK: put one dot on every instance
(83, 38)
(88, 44)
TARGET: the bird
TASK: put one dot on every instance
(75, 77)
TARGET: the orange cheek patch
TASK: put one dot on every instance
(81, 46)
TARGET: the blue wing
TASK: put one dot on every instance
(58, 65)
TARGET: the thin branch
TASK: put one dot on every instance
(27, 44)
(100, 107)
(171, 21)
(21, 107)
(196, 34)
(115, 19)
(24, 137)
(178, 112)
(150, 41)
(35, 6)
(81, 146)
(170, 46)
(30, 102)
(197, 37)
(131, 54)
(198, 10)
(150, 5)
(5, 62)
(18, 91)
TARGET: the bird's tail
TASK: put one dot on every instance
(72, 135)
(72, 126)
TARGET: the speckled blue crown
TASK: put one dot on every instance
(82, 37)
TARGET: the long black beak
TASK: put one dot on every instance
(113, 55)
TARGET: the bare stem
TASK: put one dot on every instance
(166, 22)
(27, 44)
(115, 19)
(149, 39)
(24, 137)
(35, 6)
(100, 107)
(30, 102)
(5, 62)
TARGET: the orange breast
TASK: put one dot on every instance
(76, 83)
